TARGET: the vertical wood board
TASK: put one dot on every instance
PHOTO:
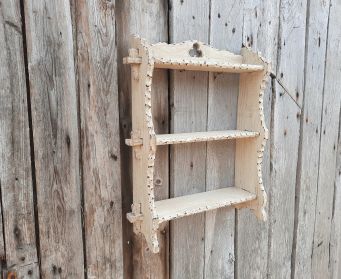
(15, 163)
(97, 87)
(147, 19)
(335, 241)
(225, 33)
(285, 136)
(329, 137)
(291, 46)
(55, 134)
(260, 32)
(188, 20)
(316, 37)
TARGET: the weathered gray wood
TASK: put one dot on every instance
(55, 134)
(307, 177)
(260, 32)
(226, 33)
(15, 161)
(25, 272)
(292, 26)
(321, 257)
(2, 244)
(285, 136)
(188, 20)
(282, 195)
(100, 142)
(147, 19)
(335, 241)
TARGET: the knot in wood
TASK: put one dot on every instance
(158, 181)
(195, 51)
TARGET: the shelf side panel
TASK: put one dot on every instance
(249, 154)
(143, 155)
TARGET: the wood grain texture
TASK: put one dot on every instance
(285, 136)
(2, 246)
(335, 239)
(100, 141)
(189, 20)
(291, 51)
(321, 259)
(55, 135)
(225, 33)
(309, 153)
(140, 17)
(260, 32)
(24, 272)
(282, 194)
(15, 161)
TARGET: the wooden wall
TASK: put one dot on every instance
(65, 110)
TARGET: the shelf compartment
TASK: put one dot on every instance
(164, 139)
(191, 204)
(207, 65)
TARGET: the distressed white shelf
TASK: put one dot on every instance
(251, 134)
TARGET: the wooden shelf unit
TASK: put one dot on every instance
(251, 134)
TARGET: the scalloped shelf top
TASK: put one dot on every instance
(193, 56)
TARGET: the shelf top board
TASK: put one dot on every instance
(191, 55)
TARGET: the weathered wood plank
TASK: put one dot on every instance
(282, 195)
(285, 132)
(25, 272)
(147, 19)
(97, 87)
(55, 135)
(292, 25)
(335, 241)
(226, 33)
(15, 163)
(2, 244)
(321, 257)
(260, 32)
(188, 20)
(316, 38)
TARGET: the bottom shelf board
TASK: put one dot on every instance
(162, 139)
(191, 204)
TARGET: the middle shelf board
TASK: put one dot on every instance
(191, 204)
(210, 65)
(164, 139)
